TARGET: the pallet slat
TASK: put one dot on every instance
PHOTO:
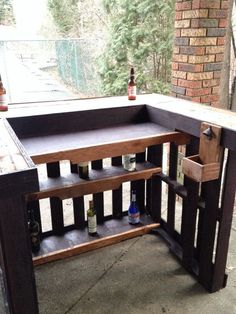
(95, 244)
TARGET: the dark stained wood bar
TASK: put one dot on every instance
(153, 127)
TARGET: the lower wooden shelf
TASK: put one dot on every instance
(105, 179)
(79, 241)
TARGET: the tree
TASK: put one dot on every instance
(141, 34)
(64, 13)
(137, 33)
(6, 13)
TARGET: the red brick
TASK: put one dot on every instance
(216, 90)
(210, 83)
(225, 4)
(189, 84)
(198, 51)
(191, 67)
(174, 81)
(210, 4)
(196, 4)
(198, 92)
(219, 57)
(175, 65)
(173, 94)
(217, 74)
(195, 23)
(177, 33)
(178, 15)
(213, 13)
(223, 23)
(209, 98)
(197, 99)
(221, 41)
(216, 104)
(181, 6)
(176, 49)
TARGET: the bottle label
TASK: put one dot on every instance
(92, 224)
(132, 90)
(133, 198)
(134, 218)
(129, 162)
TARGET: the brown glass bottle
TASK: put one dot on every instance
(34, 232)
(132, 86)
(3, 102)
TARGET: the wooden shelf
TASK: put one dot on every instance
(99, 180)
(79, 241)
(96, 144)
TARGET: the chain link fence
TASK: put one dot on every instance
(47, 69)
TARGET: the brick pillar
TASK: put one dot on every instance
(200, 29)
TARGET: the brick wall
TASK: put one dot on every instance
(200, 29)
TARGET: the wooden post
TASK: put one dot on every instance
(227, 208)
(15, 247)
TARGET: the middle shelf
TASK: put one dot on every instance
(100, 180)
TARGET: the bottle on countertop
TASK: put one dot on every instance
(132, 86)
(129, 162)
(92, 219)
(3, 98)
(34, 231)
(133, 211)
(83, 169)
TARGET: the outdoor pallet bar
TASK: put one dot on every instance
(52, 134)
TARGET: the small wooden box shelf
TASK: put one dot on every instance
(206, 165)
(193, 168)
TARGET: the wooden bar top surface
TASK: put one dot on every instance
(200, 112)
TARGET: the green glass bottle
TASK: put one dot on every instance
(92, 219)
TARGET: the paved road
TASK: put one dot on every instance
(26, 82)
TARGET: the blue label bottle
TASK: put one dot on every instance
(133, 212)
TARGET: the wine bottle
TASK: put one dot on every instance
(83, 170)
(3, 99)
(34, 231)
(92, 219)
(129, 162)
(132, 86)
(133, 211)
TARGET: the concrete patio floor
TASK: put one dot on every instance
(136, 276)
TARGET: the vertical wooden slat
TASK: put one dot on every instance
(78, 204)
(139, 185)
(117, 198)
(189, 213)
(53, 171)
(98, 198)
(154, 185)
(208, 230)
(227, 207)
(173, 158)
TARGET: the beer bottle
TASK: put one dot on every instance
(132, 86)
